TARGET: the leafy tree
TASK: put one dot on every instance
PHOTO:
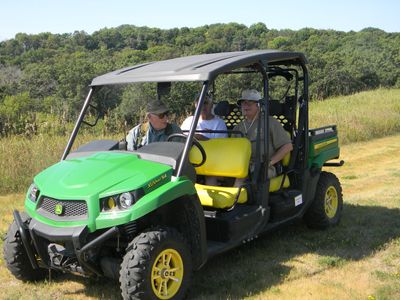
(16, 114)
(10, 78)
(50, 73)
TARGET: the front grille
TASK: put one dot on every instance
(71, 209)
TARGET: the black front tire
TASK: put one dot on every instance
(16, 258)
(326, 209)
(157, 265)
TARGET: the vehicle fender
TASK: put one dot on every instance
(157, 198)
(325, 155)
(311, 178)
(192, 225)
(180, 207)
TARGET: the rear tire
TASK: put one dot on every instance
(157, 265)
(16, 258)
(326, 209)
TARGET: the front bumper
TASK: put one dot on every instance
(37, 236)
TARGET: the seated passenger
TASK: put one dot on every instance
(279, 141)
(157, 129)
(207, 121)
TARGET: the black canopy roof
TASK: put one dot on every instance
(197, 67)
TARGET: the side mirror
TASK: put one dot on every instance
(92, 116)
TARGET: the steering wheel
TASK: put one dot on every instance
(195, 142)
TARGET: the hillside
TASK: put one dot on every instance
(48, 74)
(359, 259)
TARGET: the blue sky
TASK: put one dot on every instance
(66, 16)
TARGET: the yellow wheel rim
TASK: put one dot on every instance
(331, 202)
(167, 274)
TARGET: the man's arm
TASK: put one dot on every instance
(280, 154)
(280, 141)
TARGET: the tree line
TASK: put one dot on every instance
(44, 77)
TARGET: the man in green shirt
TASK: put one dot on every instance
(157, 129)
(279, 141)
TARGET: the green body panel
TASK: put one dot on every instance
(148, 203)
(322, 151)
(106, 174)
(101, 173)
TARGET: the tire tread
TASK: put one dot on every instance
(16, 257)
(135, 264)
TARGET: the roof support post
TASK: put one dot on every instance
(78, 124)
(264, 113)
(192, 130)
(304, 111)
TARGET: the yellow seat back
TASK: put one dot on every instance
(276, 182)
(228, 157)
(286, 159)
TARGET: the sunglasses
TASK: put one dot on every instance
(162, 115)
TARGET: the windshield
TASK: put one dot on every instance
(116, 109)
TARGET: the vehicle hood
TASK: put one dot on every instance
(103, 174)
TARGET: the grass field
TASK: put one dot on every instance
(359, 259)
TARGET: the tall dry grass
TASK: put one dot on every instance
(22, 158)
(359, 117)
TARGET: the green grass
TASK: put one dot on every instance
(331, 261)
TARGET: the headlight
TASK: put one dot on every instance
(33, 192)
(121, 201)
(126, 200)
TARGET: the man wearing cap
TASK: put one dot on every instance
(207, 121)
(279, 141)
(157, 129)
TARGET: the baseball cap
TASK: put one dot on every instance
(156, 107)
(250, 95)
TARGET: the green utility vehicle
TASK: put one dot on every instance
(146, 217)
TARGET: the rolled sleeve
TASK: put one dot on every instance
(279, 136)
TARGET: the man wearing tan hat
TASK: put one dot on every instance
(157, 129)
(279, 141)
